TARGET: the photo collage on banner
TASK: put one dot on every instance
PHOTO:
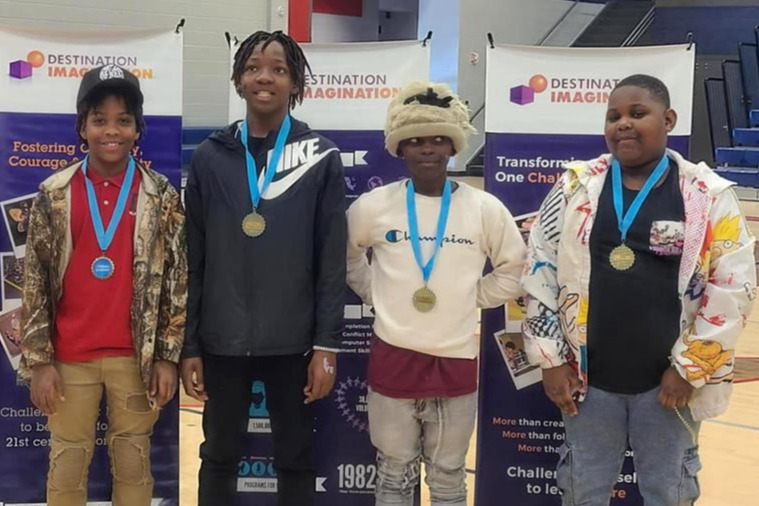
(40, 72)
(346, 99)
(546, 107)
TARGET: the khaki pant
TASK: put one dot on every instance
(72, 429)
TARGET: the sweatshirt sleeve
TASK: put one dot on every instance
(545, 342)
(329, 256)
(506, 250)
(705, 353)
(359, 234)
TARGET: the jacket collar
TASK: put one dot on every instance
(62, 179)
(592, 174)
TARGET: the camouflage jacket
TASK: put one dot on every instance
(159, 297)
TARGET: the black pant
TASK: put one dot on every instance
(228, 383)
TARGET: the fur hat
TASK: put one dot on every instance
(425, 109)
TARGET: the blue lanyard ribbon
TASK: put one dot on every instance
(413, 226)
(625, 221)
(105, 236)
(271, 169)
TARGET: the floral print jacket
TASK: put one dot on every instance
(717, 279)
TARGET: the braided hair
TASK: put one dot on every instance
(296, 60)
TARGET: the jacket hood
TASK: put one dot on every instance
(229, 136)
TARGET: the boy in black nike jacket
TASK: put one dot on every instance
(266, 244)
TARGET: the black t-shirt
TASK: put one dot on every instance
(254, 146)
(634, 315)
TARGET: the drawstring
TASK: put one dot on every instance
(692, 432)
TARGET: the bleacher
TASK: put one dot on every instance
(733, 106)
(191, 137)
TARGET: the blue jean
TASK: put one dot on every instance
(408, 431)
(665, 455)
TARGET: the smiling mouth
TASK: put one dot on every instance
(111, 145)
(263, 94)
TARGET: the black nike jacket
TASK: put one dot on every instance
(280, 293)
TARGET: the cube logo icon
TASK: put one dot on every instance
(522, 95)
(23, 69)
(525, 94)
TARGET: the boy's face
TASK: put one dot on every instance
(110, 131)
(427, 157)
(637, 125)
(267, 84)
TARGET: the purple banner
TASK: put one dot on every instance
(520, 430)
(32, 148)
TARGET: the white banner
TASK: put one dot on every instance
(40, 70)
(548, 90)
(41, 74)
(352, 84)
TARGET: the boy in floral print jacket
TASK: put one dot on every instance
(636, 331)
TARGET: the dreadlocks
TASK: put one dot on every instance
(296, 60)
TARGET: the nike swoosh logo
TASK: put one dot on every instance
(277, 188)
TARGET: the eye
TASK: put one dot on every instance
(413, 140)
(250, 68)
(728, 244)
(611, 118)
(438, 140)
(280, 70)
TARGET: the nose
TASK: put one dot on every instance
(264, 76)
(624, 123)
(111, 130)
(427, 147)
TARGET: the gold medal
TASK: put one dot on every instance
(253, 225)
(622, 257)
(424, 300)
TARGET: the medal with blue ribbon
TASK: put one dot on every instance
(254, 224)
(103, 267)
(622, 257)
(424, 299)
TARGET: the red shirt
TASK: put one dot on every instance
(93, 316)
(406, 374)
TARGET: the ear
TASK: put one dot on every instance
(294, 90)
(670, 119)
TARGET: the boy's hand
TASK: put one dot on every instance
(675, 392)
(163, 383)
(192, 378)
(47, 388)
(562, 386)
(321, 376)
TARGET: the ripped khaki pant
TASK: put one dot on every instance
(72, 429)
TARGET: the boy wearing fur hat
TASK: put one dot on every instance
(430, 239)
